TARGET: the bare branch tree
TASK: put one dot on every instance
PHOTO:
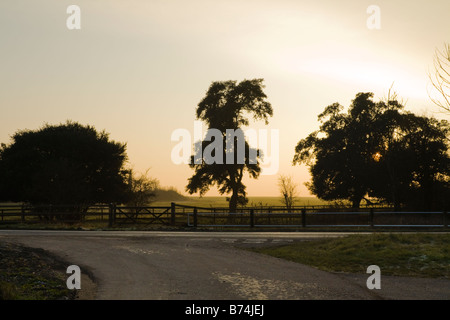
(393, 97)
(288, 190)
(142, 188)
(440, 79)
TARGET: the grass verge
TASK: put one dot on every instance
(31, 274)
(415, 255)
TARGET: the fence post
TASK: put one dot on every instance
(195, 218)
(303, 218)
(111, 215)
(172, 213)
(445, 219)
(22, 213)
(371, 215)
(252, 218)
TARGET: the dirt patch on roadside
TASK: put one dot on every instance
(35, 274)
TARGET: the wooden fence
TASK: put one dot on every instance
(203, 217)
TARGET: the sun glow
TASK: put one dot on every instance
(376, 156)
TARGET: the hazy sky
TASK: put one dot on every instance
(138, 68)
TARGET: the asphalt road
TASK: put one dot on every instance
(208, 266)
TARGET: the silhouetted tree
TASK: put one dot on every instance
(288, 190)
(226, 107)
(67, 164)
(414, 168)
(376, 150)
(341, 153)
(142, 188)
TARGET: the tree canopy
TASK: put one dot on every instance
(226, 108)
(377, 150)
(63, 164)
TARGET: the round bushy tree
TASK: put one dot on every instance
(66, 164)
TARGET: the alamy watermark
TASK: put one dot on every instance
(74, 281)
(374, 281)
(235, 147)
(73, 22)
(374, 20)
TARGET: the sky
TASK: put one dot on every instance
(138, 68)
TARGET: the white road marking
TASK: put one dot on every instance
(229, 240)
(282, 240)
(254, 240)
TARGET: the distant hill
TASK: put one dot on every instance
(168, 194)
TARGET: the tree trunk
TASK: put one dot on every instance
(235, 178)
(233, 201)
(356, 201)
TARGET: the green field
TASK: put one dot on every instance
(222, 202)
(253, 201)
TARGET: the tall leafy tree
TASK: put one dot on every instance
(226, 109)
(67, 164)
(376, 149)
(414, 168)
(341, 153)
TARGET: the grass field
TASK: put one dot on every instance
(253, 201)
(222, 202)
(416, 255)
